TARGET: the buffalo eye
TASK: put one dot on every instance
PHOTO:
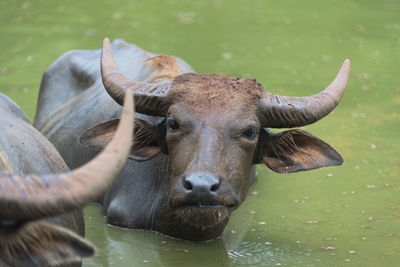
(250, 134)
(173, 125)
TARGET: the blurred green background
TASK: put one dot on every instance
(349, 215)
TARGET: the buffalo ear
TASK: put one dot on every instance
(98, 136)
(148, 140)
(295, 150)
(41, 243)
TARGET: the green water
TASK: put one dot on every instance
(349, 215)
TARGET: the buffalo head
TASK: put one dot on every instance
(214, 128)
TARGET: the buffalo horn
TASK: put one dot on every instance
(150, 98)
(35, 196)
(285, 112)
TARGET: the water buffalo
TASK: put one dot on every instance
(197, 136)
(35, 183)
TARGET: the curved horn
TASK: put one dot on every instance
(30, 197)
(150, 98)
(285, 112)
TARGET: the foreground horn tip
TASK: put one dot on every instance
(346, 66)
(344, 72)
(106, 42)
(346, 63)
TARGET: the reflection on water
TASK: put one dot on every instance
(256, 253)
(121, 247)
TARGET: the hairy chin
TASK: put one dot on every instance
(202, 217)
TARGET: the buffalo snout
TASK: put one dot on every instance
(201, 189)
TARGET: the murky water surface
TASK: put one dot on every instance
(348, 215)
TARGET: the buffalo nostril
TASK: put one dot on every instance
(217, 183)
(215, 187)
(187, 184)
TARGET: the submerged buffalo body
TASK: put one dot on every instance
(36, 184)
(196, 140)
